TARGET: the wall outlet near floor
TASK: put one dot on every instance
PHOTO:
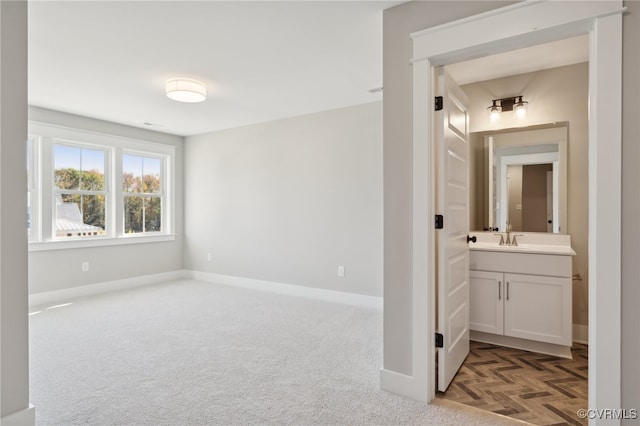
(341, 271)
(85, 266)
(208, 257)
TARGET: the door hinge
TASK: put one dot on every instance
(439, 340)
(439, 103)
(439, 221)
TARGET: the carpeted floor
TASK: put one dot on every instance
(195, 353)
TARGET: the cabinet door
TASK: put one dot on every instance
(538, 308)
(486, 296)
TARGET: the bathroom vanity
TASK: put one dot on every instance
(521, 296)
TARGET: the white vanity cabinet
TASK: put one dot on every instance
(522, 300)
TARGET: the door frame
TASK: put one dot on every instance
(502, 30)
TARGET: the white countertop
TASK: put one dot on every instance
(524, 248)
(528, 242)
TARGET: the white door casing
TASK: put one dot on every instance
(520, 25)
(452, 147)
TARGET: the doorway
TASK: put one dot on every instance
(546, 21)
(497, 378)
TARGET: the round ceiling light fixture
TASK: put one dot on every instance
(186, 90)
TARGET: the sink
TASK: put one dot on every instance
(534, 243)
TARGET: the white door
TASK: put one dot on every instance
(452, 148)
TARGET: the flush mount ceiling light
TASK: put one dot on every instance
(186, 90)
(514, 103)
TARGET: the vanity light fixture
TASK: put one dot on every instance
(494, 112)
(186, 90)
(513, 103)
(520, 108)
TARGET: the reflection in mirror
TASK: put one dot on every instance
(519, 176)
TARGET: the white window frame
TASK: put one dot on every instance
(41, 163)
(164, 160)
(33, 185)
(107, 191)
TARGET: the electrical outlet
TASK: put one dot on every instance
(208, 257)
(341, 271)
(85, 266)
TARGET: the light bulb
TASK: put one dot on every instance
(494, 112)
(520, 108)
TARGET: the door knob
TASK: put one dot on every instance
(472, 239)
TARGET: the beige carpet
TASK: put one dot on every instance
(195, 353)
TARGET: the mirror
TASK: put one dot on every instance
(519, 177)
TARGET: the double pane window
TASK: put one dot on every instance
(142, 191)
(92, 187)
(80, 194)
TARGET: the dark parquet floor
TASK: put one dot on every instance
(536, 388)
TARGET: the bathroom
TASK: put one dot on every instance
(557, 115)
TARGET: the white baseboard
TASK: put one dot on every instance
(290, 289)
(26, 417)
(581, 333)
(400, 384)
(66, 294)
(59, 296)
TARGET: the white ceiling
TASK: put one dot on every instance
(544, 56)
(261, 60)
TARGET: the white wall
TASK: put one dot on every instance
(14, 323)
(290, 200)
(60, 269)
(554, 95)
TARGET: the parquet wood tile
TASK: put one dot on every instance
(528, 386)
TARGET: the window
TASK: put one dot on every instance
(33, 144)
(93, 189)
(142, 187)
(80, 195)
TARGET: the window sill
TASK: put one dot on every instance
(99, 242)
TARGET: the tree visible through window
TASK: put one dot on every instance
(80, 191)
(92, 189)
(142, 190)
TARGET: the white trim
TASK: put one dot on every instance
(289, 289)
(64, 295)
(605, 200)
(398, 383)
(503, 161)
(500, 31)
(25, 417)
(99, 242)
(581, 333)
(114, 147)
(517, 26)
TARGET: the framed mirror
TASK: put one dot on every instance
(519, 177)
